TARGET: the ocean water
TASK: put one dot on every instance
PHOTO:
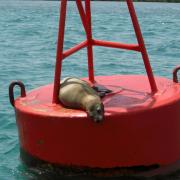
(28, 34)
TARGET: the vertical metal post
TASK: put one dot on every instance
(59, 53)
(142, 46)
(89, 38)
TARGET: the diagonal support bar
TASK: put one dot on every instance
(59, 53)
(142, 45)
(86, 21)
(89, 38)
(82, 14)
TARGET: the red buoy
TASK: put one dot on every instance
(141, 126)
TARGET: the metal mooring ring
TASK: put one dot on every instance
(11, 90)
(175, 76)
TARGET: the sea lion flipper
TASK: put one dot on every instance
(101, 90)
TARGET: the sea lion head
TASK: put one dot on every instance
(96, 112)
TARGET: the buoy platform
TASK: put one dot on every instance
(140, 128)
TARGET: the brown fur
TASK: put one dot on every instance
(77, 94)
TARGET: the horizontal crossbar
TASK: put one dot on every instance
(110, 44)
(94, 42)
(74, 49)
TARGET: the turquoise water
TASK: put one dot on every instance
(28, 33)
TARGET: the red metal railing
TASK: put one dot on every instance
(85, 14)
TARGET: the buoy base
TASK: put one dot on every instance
(140, 129)
(141, 172)
(76, 171)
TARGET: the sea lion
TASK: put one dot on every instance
(78, 94)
